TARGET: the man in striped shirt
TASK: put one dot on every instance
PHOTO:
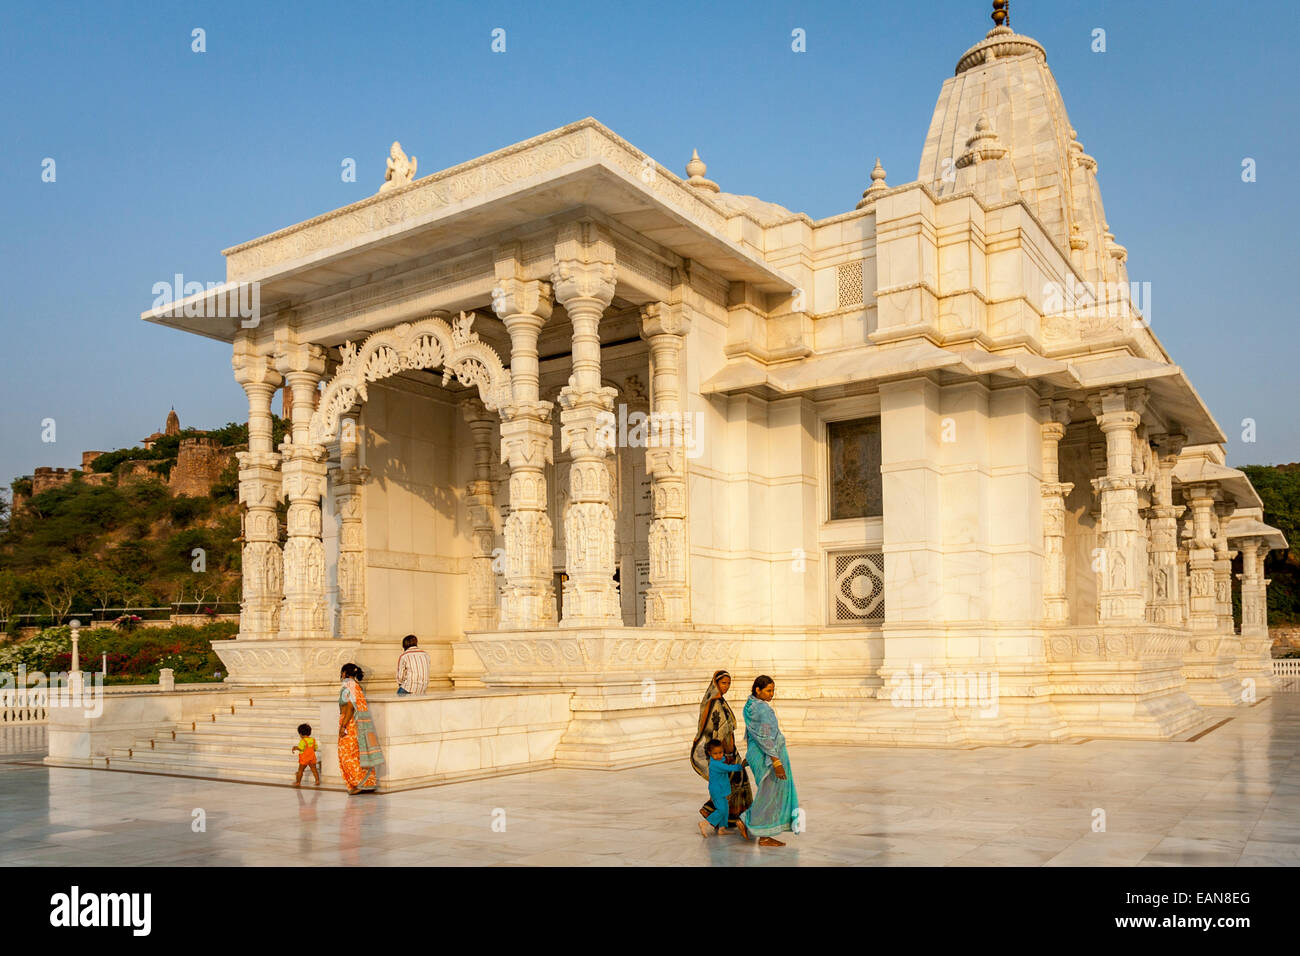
(412, 668)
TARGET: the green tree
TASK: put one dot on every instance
(10, 592)
(1279, 489)
(58, 586)
(104, 584)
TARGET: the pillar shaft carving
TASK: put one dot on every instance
(1166, 606)
(668, 597)
(1223, 569)
(303, 616)
(527, 447)
(1202, 613)
(584, 280)
(349, 482)
(1254, 604)
(1123, 532)
(259, 493)
(480, 499)
(1056, 606)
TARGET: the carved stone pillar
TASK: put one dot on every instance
(1254, 606)
(303, 616)
(1118, 412)
(1166, 605)
(349, 479)
(528, 598)
(1254, 659)
(1223, 569)
(1056, 606)
(259, 493)
(1211, 657)
(1200, 560)
(482, 514)
(584, 280)
(668, 597)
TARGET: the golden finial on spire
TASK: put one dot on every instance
(1001, 13)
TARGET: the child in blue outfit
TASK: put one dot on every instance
(719, 788)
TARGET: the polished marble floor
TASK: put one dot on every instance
(1229, 798)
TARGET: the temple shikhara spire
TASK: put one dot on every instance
(591, 429)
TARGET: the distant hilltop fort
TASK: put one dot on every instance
(199, 463)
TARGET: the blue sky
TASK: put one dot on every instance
(165, 156)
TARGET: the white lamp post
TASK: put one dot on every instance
(74, 678)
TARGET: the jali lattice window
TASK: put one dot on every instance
(857, 587)
(848, 277)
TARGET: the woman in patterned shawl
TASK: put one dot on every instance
(359, 753)
(717, 722)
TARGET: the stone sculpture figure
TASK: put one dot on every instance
(401, 170)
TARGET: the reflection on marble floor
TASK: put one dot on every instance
(1230, 798)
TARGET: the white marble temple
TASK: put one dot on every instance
(927, 435)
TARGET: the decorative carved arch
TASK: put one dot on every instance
(425, 344)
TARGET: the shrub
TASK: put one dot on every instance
(137, 657)
(186, 510)
(38, 653)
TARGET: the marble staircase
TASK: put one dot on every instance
(248, 741)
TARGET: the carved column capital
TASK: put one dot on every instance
(1052, 431)
(583, 285)
(1168, 445)
(1132, 398)
(298, 357)
(253, 366)
(522, 299)
(1055, 411)
(348, 480)
(527, 443)
(1116, 421)
(584, 272)
(662, 318)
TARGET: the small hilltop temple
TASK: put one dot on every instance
(592, 430)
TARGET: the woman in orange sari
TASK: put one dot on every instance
(359, 753)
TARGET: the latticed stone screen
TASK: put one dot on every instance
(849, 276)
(857, 587)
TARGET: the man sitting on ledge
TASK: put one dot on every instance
(412, 668)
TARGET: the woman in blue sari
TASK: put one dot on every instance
(775, 800)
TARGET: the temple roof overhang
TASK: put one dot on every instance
(1201, 471)
(583, 167)
(1249, 523)
(1171, 393)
